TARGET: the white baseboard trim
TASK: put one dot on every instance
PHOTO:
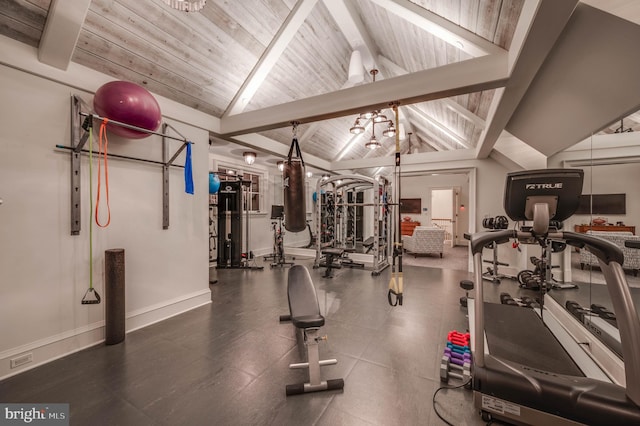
(63, 344)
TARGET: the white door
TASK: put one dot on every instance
(443, 212)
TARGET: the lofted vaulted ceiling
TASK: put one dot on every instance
(459, 68)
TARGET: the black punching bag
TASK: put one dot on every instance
(295, 204)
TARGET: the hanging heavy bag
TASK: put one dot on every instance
(293, 175)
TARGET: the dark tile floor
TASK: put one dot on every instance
(227, 363)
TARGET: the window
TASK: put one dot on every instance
(252, 185)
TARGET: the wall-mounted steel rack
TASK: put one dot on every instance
(80, 122)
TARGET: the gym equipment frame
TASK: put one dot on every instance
(79, 136)
(381, 228)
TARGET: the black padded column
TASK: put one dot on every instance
(115, 296)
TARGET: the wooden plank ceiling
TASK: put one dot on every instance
(203, 59)
(239, 56)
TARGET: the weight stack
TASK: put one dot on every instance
(115, 296)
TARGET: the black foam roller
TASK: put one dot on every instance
(295, 205)
(115, 296)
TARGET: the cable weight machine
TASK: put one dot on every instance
(230, 201)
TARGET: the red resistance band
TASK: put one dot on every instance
(103, 151)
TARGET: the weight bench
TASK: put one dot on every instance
(345, 260)
(331, 255)
(304, 313)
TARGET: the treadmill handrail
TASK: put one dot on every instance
(603, 249)
(610, 259)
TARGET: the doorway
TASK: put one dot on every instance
(444, 212)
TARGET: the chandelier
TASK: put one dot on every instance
(186, 5)
(376, 117)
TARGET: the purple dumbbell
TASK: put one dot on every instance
(457, 351)
(455, 356)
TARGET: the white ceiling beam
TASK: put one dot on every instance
(422, 137)
(424, 129)
(435, 123)
(519, 152)
(270, 146)
(539, 26)
(61, 32)
(270, 57)
(358, 38)
(353, 140)
(353, 29)
(445, 30)
(348, 20)
(395, 70)
(406, 160)
(483, 73)
(635, 116)
(625, 9)
(313, 127)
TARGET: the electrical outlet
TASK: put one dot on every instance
(21, 360)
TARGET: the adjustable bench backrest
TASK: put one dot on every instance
(303, 301)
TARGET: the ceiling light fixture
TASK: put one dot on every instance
(249, 157)
(309, 174)
(376, 117)
(356, 74)
(280, 165)
(186, 5)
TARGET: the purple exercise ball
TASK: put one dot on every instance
(128, 103)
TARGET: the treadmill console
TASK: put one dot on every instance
(560, 189)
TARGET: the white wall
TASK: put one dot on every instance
(421, 187)
(44, 270)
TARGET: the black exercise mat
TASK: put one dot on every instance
(518, 335)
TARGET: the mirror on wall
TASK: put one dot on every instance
(609, 209)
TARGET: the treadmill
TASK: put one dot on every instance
(522, 374)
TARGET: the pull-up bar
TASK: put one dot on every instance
(79, 136)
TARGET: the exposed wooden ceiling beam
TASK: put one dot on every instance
(354, 30)
(61, 32)
(394, 70)
(435, 123)
(348, 20)
(421, 159)
(422, 138)
(270, 146)
(427, 131)
(287, 31)
(539, 26)
(445, 30)
(483, 73)
(353, 140)
(625, 9)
